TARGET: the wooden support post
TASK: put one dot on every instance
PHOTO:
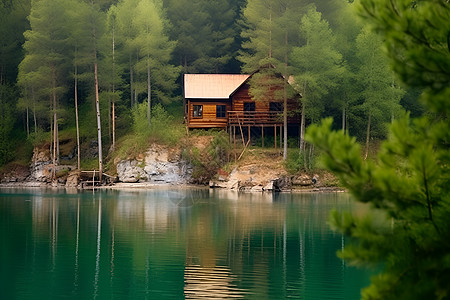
(262, 135)
(234, 142)
(275, 135)
(281, 136)
(242, 134)
(249, 133)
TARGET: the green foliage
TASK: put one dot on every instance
(410, 183)
(164, 129)
(411, 180)
(416, 40)
(206, 32)
(206, 162)
(8, 97)
(318, 65)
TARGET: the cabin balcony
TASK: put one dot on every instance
(255, 118)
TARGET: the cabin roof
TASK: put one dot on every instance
(212, 86)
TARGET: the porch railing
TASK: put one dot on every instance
(254, 117)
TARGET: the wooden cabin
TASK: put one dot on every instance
(223, 100)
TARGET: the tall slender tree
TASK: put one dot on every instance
(379, 94)
(46, 48)
(318, 66)
(154, 51)
(96, 21)
(266, 47)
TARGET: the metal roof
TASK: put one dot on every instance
(212, 86)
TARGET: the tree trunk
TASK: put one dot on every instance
(51, 132)
(311, 154)
(28, 122)
(367, 137)
(34, 111)
(285, 123)
(131, 85)
(343, 119)
(99, 124)
(302, 129)
(149, 94)
(76, 119)
(113, 112)
(55, 125)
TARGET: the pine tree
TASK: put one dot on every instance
(206, 34)
(268, 40)
(154, 52)
(46, 60)
(409, 184)
(318, 66)
(379, 93)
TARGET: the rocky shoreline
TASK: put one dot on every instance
(163, 167)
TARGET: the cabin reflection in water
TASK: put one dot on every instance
(210, 283)
(198, 243)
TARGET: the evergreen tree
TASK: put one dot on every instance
(81, 57)
(8, 95)
(318, 66)
(154, 52)
(13, 16)
(379, 93)
(268, 40)
(205, 32)
(410, 181)
(96, 22)
(126, 32)
(46, 49)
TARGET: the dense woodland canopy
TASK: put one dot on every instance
(80, 69)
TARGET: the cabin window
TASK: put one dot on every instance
(198, 111)
(276, 106)
(249, 106)
(221, 111)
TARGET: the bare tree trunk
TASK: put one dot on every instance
(131, 84)
(367, 137)
(302, 129)
(57, 145)
(55, 125)
(285, 123)
(51, 130)
(99, 124)
(109, 120)
(113, 112)
(149, 94)
(28, 122)
(34, 111)
(311, 154)
(76, 119)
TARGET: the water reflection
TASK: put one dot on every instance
(173, 244)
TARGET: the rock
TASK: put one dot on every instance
(160, 164)
(233, 185)
(270, 186)
(73, 179)
(283, 183)
(257, 188)
(129, 171)
(302, 180)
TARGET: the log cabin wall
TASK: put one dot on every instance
(209, 118)
(242, 96)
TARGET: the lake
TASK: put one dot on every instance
(173, 244)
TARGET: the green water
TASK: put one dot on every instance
(172, 244)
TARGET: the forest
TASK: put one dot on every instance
(98, 71)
